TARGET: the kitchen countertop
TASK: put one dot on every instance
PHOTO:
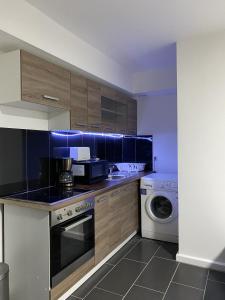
(94, 190)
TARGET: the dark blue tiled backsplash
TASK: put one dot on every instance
(26, 155)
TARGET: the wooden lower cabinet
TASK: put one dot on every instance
(67, 283)
(116, 217)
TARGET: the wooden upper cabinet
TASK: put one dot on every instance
(43, 82)
(28, 81)
(131, 116)
(108, 109)
(79, 102)
(94, 106)
(121, 113)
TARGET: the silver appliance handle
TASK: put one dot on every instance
(77, 223)
(50, 98)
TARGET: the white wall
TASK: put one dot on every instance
(23, 21)
(157, 115)
(155, 80)
(201, 150)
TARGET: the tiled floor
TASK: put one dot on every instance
(146, 270)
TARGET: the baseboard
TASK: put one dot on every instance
(159, 236)
(95, 269)
(201, 262)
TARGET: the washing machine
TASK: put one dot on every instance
(159, 207)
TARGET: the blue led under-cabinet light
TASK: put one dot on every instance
(72, 134)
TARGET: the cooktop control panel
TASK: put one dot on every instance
(66, 213)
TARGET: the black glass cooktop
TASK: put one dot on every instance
(49, 195)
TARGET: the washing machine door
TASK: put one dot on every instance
(162, 207)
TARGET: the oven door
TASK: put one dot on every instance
(72, 244)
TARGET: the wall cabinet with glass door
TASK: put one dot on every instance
(94, 107)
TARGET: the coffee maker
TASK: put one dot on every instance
(65, 175)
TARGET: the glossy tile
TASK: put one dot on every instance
(191, 276)
(217, 276)
(98, 294)
(89, 141)
(215, 291)
(129, 145)
(100, 146)
(181, 292)
(13, 151)
(82, 291)
(167, 250)
(120, 279)
(144, 149)
(38, 163)
(137, 292)
(143, 251)
(55, 141)
(158, 274)
(110, 149)
(123, 251)
(118, 145)
(75, 140)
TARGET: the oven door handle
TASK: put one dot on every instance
(66, 228)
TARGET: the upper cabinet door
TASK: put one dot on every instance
(121, 113)
(108, 109)
(79, 98)
(43, 82)
(94, 106)
(131, 116)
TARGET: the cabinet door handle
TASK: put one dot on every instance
(50, 98)
(95, 125)
(99, 200)
(81, 124)
(108, 128)
(115, 193)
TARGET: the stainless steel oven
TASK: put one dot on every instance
(72, 239)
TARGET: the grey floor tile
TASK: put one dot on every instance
(120, 279)
(143, 251)
(137, 292)
(158, 274)
(167, 250)
(217, 276)
(181, 292)
(123, 251)
(191, 276)
(97, 294)
(82, 291)
(215, 291)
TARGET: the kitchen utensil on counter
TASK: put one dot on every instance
(131, 167)
(65, 174)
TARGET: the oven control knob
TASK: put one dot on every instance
(77, 209)
(59, 217)
(69, 213)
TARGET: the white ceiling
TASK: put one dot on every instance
(139, 34)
